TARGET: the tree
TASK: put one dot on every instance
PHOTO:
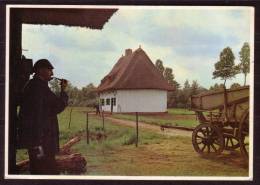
(235, 85)
(181, 100)
(169, 76)
(245, 60)
(214, 87)
(225, 68)
(187, 93)
(194, 87)
(186, 84)
(74, 95)
(221, 86)
(159, 66)
(171, 99)
(89, 95)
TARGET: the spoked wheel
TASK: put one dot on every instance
(231, 143)
(243, 135)
(207, 139)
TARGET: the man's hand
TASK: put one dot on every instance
(39, 151)
(63, 84)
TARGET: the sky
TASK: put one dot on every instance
(187, 40)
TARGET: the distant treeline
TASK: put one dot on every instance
(88, 97)
(225, 69)
(181, 97)
(84, 97)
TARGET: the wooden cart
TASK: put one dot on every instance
(224, 121)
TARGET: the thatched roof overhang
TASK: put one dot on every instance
(93, 18)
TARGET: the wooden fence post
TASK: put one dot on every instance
(136, 143)
(70, 116)
(87, 129)
(103, 121)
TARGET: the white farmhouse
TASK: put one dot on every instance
(134, 85)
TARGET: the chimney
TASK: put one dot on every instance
(128, 52)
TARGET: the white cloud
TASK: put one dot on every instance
(189, 41)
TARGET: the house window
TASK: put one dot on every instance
(108, 101)
(102, 102)
(113, 101)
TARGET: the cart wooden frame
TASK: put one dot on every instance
(224, 121)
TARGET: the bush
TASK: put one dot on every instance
(181, 105)
(131, 140)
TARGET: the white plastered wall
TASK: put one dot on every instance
(145, 100)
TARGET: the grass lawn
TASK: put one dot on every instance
(180, 111)
(156, 154)
(174, 117)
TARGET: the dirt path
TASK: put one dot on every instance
(146, 126)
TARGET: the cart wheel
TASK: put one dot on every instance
(231, 143)
(207, 139)
(243, 135)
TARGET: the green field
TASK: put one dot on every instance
(174, 117)
(156, 154)
(179, 111)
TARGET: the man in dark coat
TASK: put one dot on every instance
(38, 118)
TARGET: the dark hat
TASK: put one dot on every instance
(42, 63)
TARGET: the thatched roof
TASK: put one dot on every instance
(94, 18)
(135, 70)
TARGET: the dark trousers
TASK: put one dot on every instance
(43, 166)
